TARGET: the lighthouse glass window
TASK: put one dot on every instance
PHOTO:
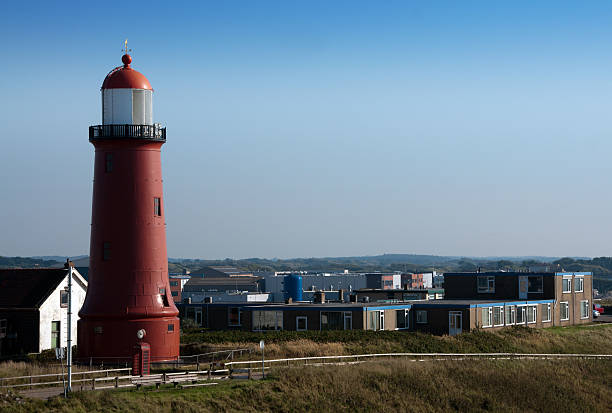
(157, 207)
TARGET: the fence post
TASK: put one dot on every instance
(198, 362)
(209, 370)
(30, 382)
(93, 383)
(249, 372)
(116, 381)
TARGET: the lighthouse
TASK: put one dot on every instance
(128, 300)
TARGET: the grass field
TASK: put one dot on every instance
(400, 385)
(392, 385)
(592, 338)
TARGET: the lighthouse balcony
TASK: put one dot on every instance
(146, 132)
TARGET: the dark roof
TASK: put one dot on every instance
(223, 280)
(499, 273)
(219, 271)
(28, 287)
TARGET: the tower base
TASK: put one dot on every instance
(113, 341)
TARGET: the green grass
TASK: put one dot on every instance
(398, 385)
(592, 338)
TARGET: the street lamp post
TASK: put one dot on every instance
(69, 340)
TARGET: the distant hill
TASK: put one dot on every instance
(60, 258)
(27, 262)
(601, 267)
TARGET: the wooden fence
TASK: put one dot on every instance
(259, 365)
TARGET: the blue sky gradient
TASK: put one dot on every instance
(322, 128)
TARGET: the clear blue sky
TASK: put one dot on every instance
(322, 128)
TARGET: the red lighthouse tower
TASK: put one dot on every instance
(128, 263)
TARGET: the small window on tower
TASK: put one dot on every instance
(109, 162)
(106, 253)
(157, 207)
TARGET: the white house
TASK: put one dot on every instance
(34, 308)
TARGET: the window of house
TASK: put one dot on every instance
(332, 320)
(157, 207)
(486, 284)
(510, 314)
(402, 322)
(267, 320)
(301, 323)
(55, 334)
(170, 328)
(584, 309)
(174, 293)
(3, 325)
(63, 298)
(546, 313)
(520, 314)
(421, 317)
(498, 316)
(194, 313)
(578, 284)
(233, 316)
(348, 320)
(531, 314)
(567, 284)
(535, 284)
(106, 251)
(108, 167)
(487, 316)
(564, 307)
(376, 320)
(173, 283)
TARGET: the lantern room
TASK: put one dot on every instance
(127, 96)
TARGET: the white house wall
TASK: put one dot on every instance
(51, 310)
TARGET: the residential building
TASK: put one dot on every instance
(33, 309)
(177, 283)
(473, 300)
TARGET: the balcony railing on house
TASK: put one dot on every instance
(149, 132)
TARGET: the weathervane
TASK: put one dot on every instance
(125, 48)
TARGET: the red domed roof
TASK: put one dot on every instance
(124, 77)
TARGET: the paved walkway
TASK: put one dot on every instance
(44, 393)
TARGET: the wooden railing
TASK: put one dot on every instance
(259, 365)
(60, 378)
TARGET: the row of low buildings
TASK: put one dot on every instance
(487, 300)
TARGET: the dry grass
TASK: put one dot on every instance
(387, 386)
(21, 368)
(574, 339)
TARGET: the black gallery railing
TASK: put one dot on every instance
(149, 132)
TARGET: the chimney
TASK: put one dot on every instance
(341, 295)
(319, 297)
